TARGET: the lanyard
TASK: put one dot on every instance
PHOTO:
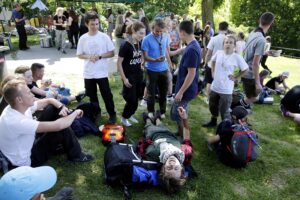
(159, 43)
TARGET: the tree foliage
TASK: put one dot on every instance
(285, 32)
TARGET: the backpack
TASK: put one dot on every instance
(244, 144)
(120, 161)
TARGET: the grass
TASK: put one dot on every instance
(275, 175)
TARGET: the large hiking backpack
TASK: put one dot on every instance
(244, 144)
(119, 159)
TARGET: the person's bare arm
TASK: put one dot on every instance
(42, 103)
(213, 66)
(120, 69)
(19, 20)
(58, 124)
(70, 21)
(255, 67)
(149, 59)
(168, 57)
(186, 84)
(285, 85)
(38, 91)
(176, 52)
(186, 129)
(109, 54)
(208, 55)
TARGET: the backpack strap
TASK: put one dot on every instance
(249, 151)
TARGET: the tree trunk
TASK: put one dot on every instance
(207, 12)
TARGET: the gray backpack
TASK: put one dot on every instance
(244, 144)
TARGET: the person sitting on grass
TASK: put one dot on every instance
(25, 183)
(274, 83)
(168, 150)
(224, 134)
(19, 142)
(262, 76)
(290, 104)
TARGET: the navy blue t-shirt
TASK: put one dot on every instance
(190, 59)
(18, 15)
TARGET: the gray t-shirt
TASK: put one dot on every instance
(255, 46)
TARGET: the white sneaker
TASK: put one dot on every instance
(143, 102)
(170, 100)
(133, 120)
(125, 122)
(163, 116)
(151, 115)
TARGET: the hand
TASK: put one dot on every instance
(182, 113)
(178, 97)
(126, 83)
(231, 77)
(94, 58)
(79, 113)
(64, 111)
(160, 59)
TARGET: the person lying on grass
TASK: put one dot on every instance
(169, 150)
(222, 140)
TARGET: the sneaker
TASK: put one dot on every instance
(143, 102)
(212, 123)
(151, 115)
(80, 96)
(112, 119)
(125, 122)
(133, 120)
(163, 116)
(64, 193)
(83, 158)
(64, 52)
(58, 49)
(170, 99)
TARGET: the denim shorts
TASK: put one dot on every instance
(174, 109)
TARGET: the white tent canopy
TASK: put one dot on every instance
(39, 4)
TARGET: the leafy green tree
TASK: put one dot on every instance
(285, 32)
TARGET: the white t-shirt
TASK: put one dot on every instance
(95, 45)
(226, 65)
(240, 46)
(17, 134)
(215, 44)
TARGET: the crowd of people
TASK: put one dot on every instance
(161, 62)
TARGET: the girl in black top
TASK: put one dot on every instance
(198, 32)
(273, 84)
(74, 28)
(130, 68)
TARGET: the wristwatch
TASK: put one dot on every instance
(100, 57)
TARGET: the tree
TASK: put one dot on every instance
(208, 7)
(285, 31)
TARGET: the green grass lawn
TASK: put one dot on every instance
(275, 175)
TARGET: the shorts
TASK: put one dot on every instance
(174, 112)
(174, 59)
(208, 76)
(250, 88)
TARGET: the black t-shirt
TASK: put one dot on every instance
(35, 95)
(271, 82)
(60, 19)
(199, 33)
(132, 58)
(291, 100)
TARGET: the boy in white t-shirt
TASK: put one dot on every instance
(95, 48)
(25, 141)
(227, 67)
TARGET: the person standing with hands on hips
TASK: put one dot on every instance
(60, 21)
(95, 48)
(19, 17)
(187, 81)
(156, 53)
(130, 68)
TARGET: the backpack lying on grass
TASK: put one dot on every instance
(123, 167)
(238, 146)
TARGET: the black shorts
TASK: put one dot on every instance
(208, 76)
(249, 88)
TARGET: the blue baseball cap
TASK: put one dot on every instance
(24, 182)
